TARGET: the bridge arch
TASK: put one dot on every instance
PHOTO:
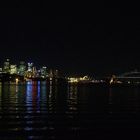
(130, 74)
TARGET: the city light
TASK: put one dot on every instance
(17, 80)
(24, 72)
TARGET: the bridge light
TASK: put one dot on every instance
(111, 81)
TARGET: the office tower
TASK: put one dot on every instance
(51, 73)
(29, 72)
(43, 72)
(0, 70)
(30, 67)
(34, 71)
(6, 67)
(13, 69)
(56, 73)
(22, 68)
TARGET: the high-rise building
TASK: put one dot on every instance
(22, 68)
(13, 69)
(30, 67)
(6, 67)
(53, 73)
(29, 72)
(43, 71)
(34, 72)
(0, 70)
(56, 73)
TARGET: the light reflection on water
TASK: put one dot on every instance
(59, 111)
(72, 98)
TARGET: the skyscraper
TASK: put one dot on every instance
(13, 69)
(30, 67)
(43, 71)
(6, 67)
(22, 68)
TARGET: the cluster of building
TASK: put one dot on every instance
(27, 70)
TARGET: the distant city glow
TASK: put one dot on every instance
(26, 72)
(78, 79)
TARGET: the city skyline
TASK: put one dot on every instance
(69, 71)
(95, 44)
(27, 70)
(21, 67)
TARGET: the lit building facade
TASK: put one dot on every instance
(0, 70)
(43, 72)
(29, 72)
(30, 67)
(13, 69)
(53, 73)
(6, 67)
(22, 68)
(34, 72)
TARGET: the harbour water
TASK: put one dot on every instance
(39, 110)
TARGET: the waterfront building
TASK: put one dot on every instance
(34, 72)
(54, 73)
(51, 73)
(22, 68)
(6, 66)
(0, 70)
(43, 72)
(13, 69)
(38, 74)
(30, 67)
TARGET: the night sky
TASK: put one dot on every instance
(97, 42)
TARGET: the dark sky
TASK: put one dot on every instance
(99, 41)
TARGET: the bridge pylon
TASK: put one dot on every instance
(113, 79)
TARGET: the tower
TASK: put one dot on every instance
(13, 69)
(43, 71)
(6, 67)
(30, 67)
(22, 68)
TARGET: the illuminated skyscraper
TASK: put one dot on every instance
(13, 69)
(0, 70)
(30, 67)
(43, 71)
(34, 71)
(6, 67)
(22, 68)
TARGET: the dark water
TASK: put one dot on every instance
(41, 110)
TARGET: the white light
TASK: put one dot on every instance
(17, 80)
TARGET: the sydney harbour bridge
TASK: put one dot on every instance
(127, 77)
